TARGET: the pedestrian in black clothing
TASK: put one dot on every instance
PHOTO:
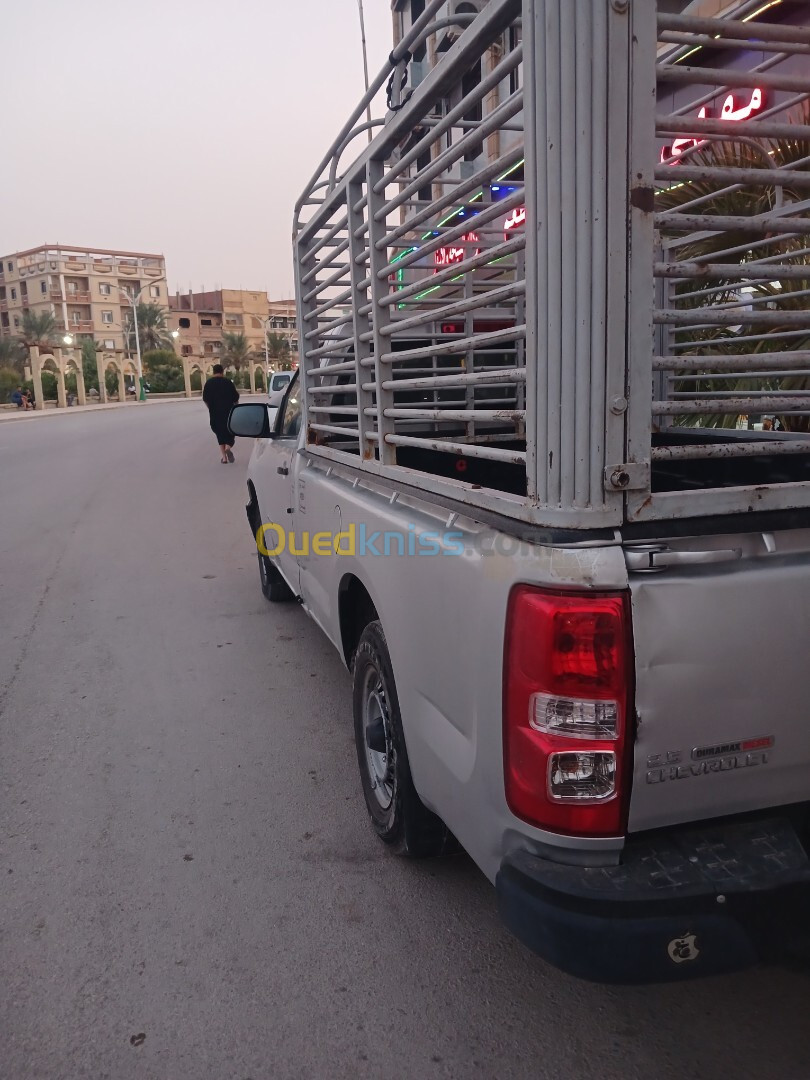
(220, 395)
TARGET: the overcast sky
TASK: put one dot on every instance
(183, 127)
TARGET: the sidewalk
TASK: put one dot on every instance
(12, 415)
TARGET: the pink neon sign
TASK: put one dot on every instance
(515, 219)
(446, 256)
(728, 112)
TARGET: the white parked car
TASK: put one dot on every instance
(279, 381)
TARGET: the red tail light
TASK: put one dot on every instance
(567, 710)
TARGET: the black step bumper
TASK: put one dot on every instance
(683, 903)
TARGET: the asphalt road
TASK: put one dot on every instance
(190, 887)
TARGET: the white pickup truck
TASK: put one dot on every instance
(517, 480)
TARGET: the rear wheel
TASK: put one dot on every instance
(398, 815)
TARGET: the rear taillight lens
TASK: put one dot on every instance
(567, 703)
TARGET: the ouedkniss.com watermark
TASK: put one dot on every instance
(358, 540)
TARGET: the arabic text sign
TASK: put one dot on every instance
(728, 112)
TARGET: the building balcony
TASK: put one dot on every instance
(79, 296)
(3, 305)
(56, 296)
(81, 326)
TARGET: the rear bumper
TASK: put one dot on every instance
(682, 904)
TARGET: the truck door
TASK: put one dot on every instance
(275, 486)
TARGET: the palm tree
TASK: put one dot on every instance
(152, 329)
(278, 347)
(742, 201)
(12, 354)
(40, 329)
(237, 351)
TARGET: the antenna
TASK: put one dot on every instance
(365, 61)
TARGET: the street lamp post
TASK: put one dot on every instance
(133, 302)
(264, 321)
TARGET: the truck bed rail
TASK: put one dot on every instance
(570, 306)
(728, 239)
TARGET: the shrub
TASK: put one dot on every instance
(163, 370)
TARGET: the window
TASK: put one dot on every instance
(206, 322)
(4, 320)
(43, 287)
(154, 291)
(106, 317)
(185, 350)
(475, 113)
(109, 343)
(423, 162)
(13, 294)
(16, 323)
(2, 292)
(10, 266)
(105, 289)
(514, 74)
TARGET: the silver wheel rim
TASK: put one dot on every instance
(380, 765)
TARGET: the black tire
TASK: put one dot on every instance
(274, 587)
(398, 815)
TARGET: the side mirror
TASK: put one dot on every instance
(250, 421)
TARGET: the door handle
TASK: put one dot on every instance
(282, 470)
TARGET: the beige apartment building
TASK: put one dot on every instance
(202, 318)
(85, 289)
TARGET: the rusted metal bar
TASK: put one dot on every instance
(735, 449)
(757, 271)
(739, 404)
(764, 223)
(678, 73)
(733, 362)
(491, 453)
(736, 29)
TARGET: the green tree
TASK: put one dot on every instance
(111, 382)
(89, 365)
(278, 349)
(49, 392)
(164, 371)
(40, 329)
(12, 354)
(236, 352)
(152, 328)
(9, 381)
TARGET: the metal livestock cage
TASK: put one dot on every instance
(567, 276)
